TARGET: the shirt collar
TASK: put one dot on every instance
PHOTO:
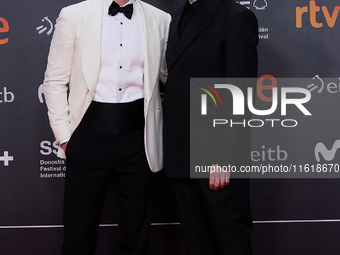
(130, 2)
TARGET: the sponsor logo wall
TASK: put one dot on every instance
(297, 39)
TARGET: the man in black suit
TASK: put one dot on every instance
(209, 38)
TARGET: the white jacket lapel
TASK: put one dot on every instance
(91, 45)
(151, 49)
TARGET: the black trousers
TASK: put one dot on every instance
(214, 222)
(93, 160)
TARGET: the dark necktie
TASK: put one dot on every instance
(115, 8)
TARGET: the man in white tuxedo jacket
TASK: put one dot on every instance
(108, 124)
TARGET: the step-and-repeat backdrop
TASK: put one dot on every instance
(298, 38)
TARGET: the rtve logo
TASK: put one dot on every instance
(4, 28)
(313, 9)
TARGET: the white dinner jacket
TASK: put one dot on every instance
(74, 58)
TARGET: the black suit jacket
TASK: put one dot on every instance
(220, 41)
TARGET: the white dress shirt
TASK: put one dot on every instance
(122, 57)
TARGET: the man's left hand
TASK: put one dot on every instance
(218, 179)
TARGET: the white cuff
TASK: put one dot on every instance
(64, 140)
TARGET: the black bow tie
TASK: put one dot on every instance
(115, 8)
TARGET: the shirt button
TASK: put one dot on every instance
(120, 67)
(121, 23)
(121, 45)
(120, 89)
